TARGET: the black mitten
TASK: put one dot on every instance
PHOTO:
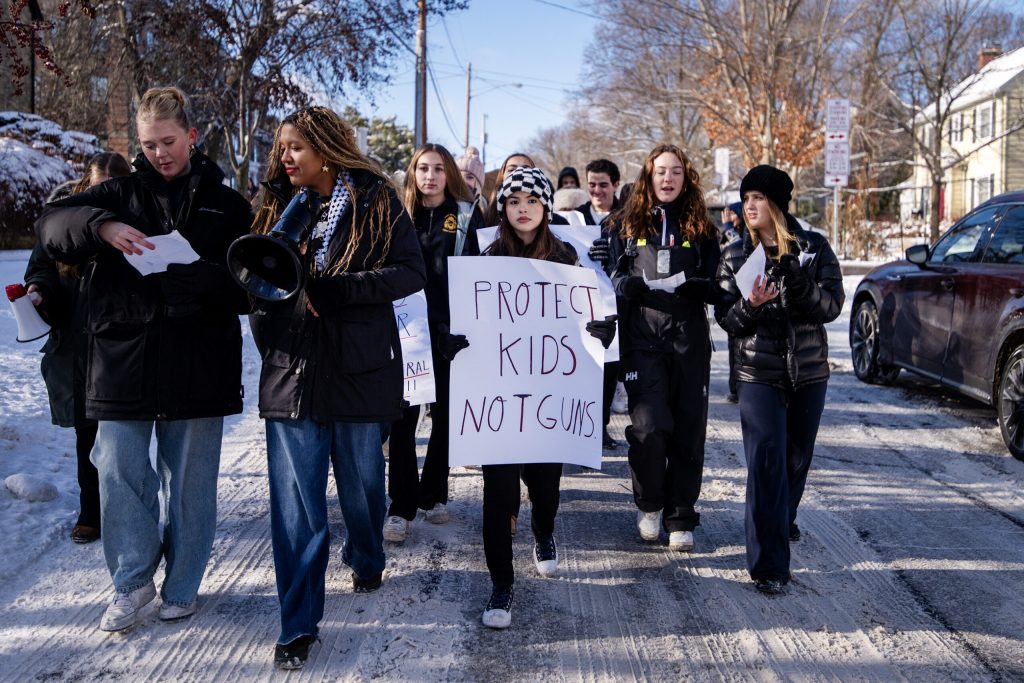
(599, 251)
(184, 283)
(603, 330)
(448, 344)
(695, 288)
(794, 279)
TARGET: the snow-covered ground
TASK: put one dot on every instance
(911, 566)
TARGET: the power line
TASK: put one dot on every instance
(568, 9)
(440, 102)
(444, 24)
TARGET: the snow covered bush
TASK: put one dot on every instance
(36, 155)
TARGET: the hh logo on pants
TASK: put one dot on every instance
(632, 376)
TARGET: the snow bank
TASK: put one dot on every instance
(32, 489)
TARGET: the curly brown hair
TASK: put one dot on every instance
(635, 215)
(335, 140)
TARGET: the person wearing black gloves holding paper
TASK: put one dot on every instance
(446, 221)
(165, 354)
(781, 365)
(662, 234)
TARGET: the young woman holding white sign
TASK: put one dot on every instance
(446, 221)
(662, 254)
(781, 362)
(524, 205)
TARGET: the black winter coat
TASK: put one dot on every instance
(660, 321)
(436, 230)
(159, 347)
(346, 364)
(782, 342)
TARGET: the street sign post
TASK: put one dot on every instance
(837, 155)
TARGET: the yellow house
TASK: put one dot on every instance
(982, 141)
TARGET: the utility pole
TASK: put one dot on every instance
(483, 142)
(469, 78)
(420, 129)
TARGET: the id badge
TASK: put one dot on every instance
(664, 261)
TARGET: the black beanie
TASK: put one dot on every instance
(776, 185)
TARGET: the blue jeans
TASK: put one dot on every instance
(299, 453)
(188, 459)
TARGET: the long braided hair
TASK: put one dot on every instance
(636, 214)
(335, 140)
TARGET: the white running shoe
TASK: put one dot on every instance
(124, 608)
(545, 557)
(620, 402)
(172, 613)
(649, 524)
(437, 514)
(396, 529)
(680, 540)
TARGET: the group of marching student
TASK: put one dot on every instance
(164, 354)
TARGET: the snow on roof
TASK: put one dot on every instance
(983, 84)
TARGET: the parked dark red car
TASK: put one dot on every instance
(953, 312)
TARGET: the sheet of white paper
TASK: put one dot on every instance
(528, 387)
(581, 237)
(172, 248)
(574, 217)
(414, 335)
(749, 271)
(805, 258)
(666, 284)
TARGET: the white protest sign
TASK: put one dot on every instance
(581, 237)
(529, 387)
(748, 272)
(414, 333)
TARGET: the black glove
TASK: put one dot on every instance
(183, 284)
(794, 278)
(448, 344)
(694, 288)
(599, 251)
(633, 286)
(603, 330)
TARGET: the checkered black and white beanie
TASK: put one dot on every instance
(532, 181)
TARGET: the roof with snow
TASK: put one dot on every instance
(982, 85)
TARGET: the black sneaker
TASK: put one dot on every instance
(794, 533)
(731, 397)
(545, 557)
(498, 613)
(366, 585)
(294, 654)
(769, 586)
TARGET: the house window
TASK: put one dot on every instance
(983, 187)
(985, 121)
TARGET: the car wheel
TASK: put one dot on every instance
(864, 346)
(1010, 403)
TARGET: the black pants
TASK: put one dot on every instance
(732, 364)
(406, 489)
(501, 501)
(668, 407)
(88, 477)
(611, 378)
(779, 430)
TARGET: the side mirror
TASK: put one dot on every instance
(918, 254)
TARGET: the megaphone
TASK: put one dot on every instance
(30, 325)
(269, 266)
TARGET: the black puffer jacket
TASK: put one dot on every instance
(436, 230)
(346, 364)
(782, 342)
(148, 359)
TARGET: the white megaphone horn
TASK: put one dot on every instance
(30, 325)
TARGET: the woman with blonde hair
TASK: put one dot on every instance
(446, 222)
(165, 354)
(782, 366)
(332, 376)
(662, 254)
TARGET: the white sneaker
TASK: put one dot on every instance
(172, 613)
(396, 529)
(545, 558)
(124, 608)
(649, 524)
(620, 402)
(498, 613)
(680, 540)
(437, 514)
